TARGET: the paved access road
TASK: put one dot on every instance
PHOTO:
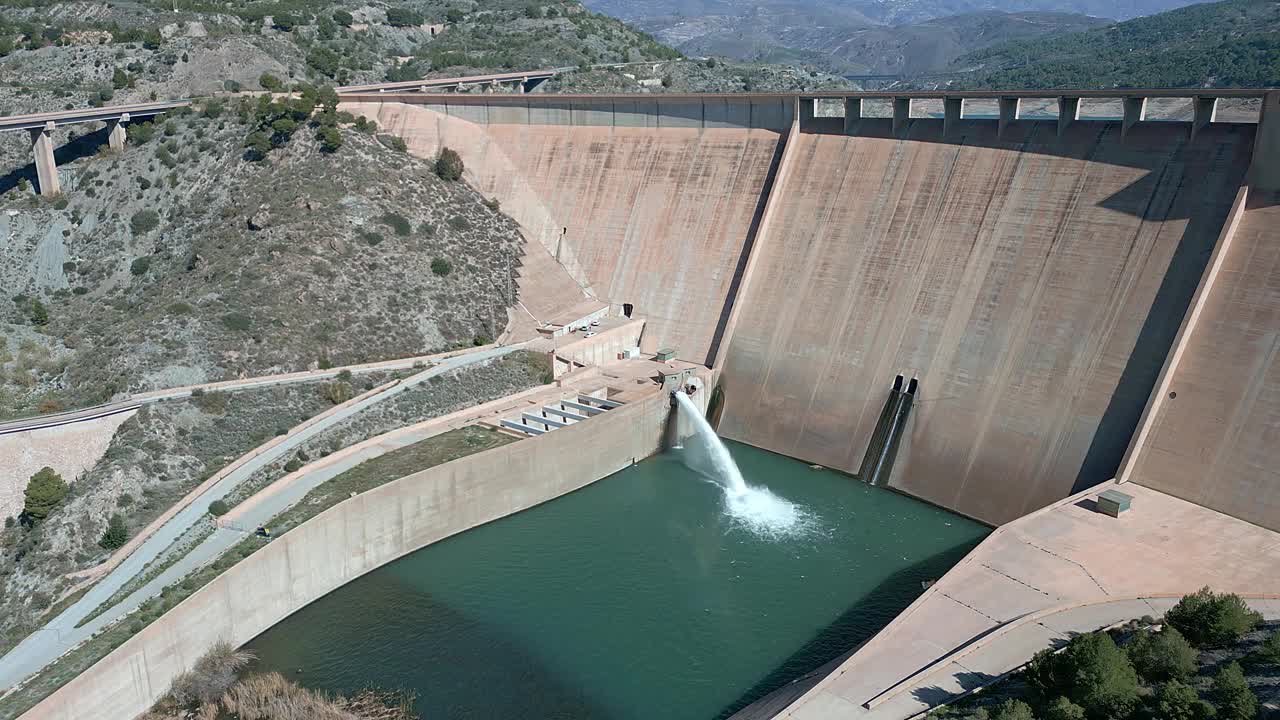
(61, 633)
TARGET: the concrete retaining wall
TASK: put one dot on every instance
(351, 539)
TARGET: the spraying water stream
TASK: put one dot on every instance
(756, 509)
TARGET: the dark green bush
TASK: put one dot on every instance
(218, 508)
(116, 534)
(1232, 696)
(38, 313)
(398, 223)
(1177, 701)
(343, 18)
(144, 221)
(237, 321)
(45, 491)
(1269, 653)
(294, 464)
(140, 266)
(270, 82)
(1209, 619)
(1162, 656)
(449, 165)
(441, 267)
(1091, 671)
(330, 139)
(403, 17)
(1013, 710)
(1063, 709)
(459, 223)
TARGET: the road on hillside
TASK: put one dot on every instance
(137, 401)
(61, 634)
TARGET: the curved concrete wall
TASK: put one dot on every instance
(351, 539)
(1033, 283)
(653, 216)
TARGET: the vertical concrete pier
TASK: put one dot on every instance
(1010, 109)
(1135, 111)
(901, 114)
(1206, 111)
(46, 167)
(852, 114)
(1068, 112)
(116, 134)
(952, 112)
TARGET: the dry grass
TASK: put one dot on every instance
(212, 690)
(212, 676)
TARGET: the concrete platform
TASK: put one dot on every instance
(1062, 569)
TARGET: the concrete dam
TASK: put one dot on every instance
(1032, 275)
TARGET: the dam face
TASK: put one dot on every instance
(1032, 275)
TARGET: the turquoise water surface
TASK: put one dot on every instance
(636, 597)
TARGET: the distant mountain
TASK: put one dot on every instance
(884, 50)
(1232, 43)
(854, 36)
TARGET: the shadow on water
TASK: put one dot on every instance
(854, 626)
(359, 638)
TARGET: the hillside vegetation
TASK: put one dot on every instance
(1235, 43)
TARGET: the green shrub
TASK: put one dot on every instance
(1269, 653)
(449, 165)
(427, 229)
(45, 491)
(39, 313)
(441, 267)
(144, 221)
(179, 308)
(397, 222)
(343, 18)
(1063, 709)
(330, 139)
(1177, 701)
(237, 321)
(337, 392)
(116, 534)
(394, 142)
(1231, 694)
(231, 86)
(1162, 656)
(270, 82)
(1013, 710)
(294, 464)
(344, 376)
(459, 223)
(403, 17)
(1209, 619)
(1091, 671)
(218, 508)
(140, 266)
(210, 403)
(493, 204)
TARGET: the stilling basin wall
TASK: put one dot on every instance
(351, 539)
(651, 204)
(1033, 283)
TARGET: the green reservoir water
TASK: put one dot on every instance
(636, 597)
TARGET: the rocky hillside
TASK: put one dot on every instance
(182, 261)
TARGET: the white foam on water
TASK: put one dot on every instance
(754, 509)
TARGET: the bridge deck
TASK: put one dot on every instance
(65, 117)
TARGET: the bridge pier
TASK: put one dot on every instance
(1135, 111)
(46, 166)
(1010, 109)
(901, 114)
(952, 112)
(115, 134)
(1068, 112)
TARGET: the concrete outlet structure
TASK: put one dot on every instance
(41, 125)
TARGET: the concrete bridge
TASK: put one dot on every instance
(524, 81)
(40, 124)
